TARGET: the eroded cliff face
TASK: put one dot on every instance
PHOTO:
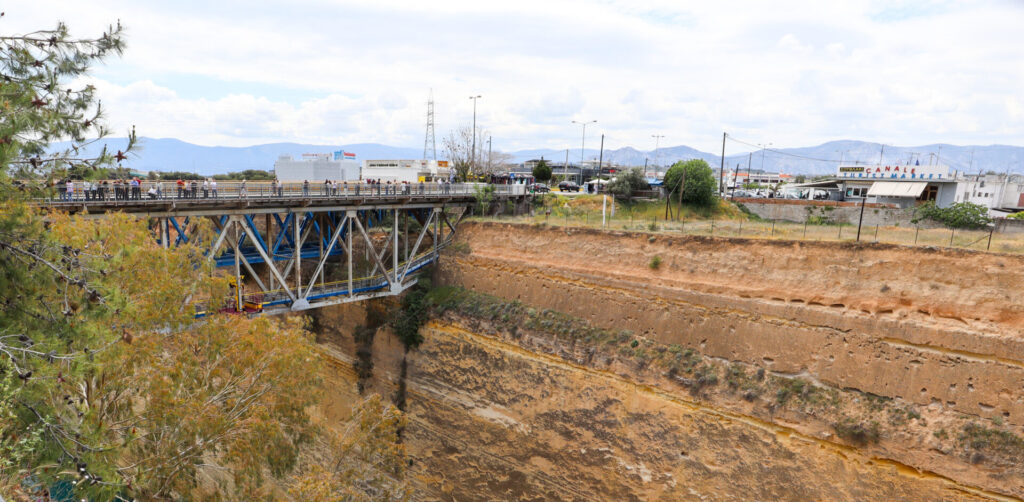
(738, 370)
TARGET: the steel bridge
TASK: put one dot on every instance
(291, 250)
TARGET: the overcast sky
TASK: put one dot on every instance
(339, 72)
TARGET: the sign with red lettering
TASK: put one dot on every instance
(895, 172)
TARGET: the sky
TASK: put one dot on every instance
(332, 72)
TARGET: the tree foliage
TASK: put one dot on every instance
(107, 380)
(695, 179)
(40, 106)
(362, 463)
(958, 215)
(628, 182)
(542, 171)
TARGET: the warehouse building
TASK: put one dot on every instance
(313, 167)
(411, 171)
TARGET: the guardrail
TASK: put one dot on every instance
(162, 191)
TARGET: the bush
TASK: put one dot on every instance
(959, 215)
(858, 433)
(655, 263)
(695, 179)
(626, 183)
(415, 310)
(1017, 216)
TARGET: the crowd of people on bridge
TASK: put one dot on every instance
(86, 190)
(133, 189)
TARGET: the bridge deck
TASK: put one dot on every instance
(232, 201)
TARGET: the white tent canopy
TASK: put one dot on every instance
(897, 189)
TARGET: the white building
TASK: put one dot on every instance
(317, 167)
(903, 186)
(412, 171)
(1001, 193)
(906, 186)
(737, 179)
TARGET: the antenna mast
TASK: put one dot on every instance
(428, 142)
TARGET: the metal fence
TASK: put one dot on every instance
(907, 234)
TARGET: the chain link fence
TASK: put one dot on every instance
(752, 227)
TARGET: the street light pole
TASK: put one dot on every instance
(656, 137)
(472, 152)
(763, 148)
(583, 144)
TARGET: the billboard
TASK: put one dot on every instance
(894, 172)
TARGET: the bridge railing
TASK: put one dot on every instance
(160, 191)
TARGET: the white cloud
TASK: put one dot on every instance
(790, 72)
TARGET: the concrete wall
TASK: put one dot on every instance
(1009, 226)
(836, 212)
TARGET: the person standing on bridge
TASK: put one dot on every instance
(69, 190)
(195, 189)
(305, 188)
(241, 190)
(213, 187)
(206, 187)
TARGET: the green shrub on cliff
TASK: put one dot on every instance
(415, 311)
(858, 433)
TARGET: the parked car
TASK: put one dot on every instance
(568, 186)
(540, 188)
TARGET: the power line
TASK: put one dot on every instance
(759, 147)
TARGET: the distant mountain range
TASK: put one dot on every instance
(167, 154)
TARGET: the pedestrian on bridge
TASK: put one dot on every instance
(181, 188)
(280, 188)
(305, 188)
(69, 190)
(213, 187)
(194, 189)
(241, 190)
(206, 187)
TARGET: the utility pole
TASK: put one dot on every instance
(750, 157)
(489, 170)
(565, 167)
(600, 159)
(583, 144)
(721, 169)
(472, 151)
(732, 195)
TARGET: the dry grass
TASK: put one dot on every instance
(728, 221)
